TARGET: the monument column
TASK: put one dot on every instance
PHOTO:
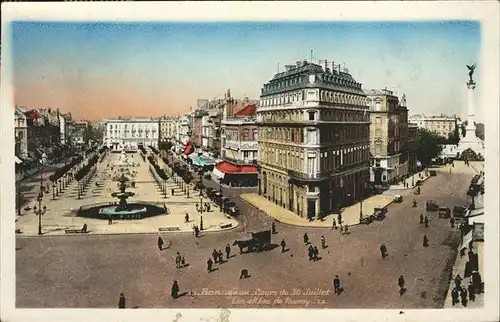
(471, 85)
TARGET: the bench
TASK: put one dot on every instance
(172, 228)
(224, 226)
(74, 231)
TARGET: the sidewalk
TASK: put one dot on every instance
(350, 215)
(458, 268)
(401, 186)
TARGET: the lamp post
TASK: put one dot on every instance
(201, 209)
(40, 211)
(53, 190)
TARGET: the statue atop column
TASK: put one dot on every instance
(403, 100)
(471, 72)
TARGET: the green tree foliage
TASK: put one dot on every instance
(429, 146)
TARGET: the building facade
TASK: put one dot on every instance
(20, 133)
(413, 143)
(388, 136)
(313, 139)
(128, 134)
(442, 125)
(168, 128)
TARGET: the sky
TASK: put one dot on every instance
(104, 70)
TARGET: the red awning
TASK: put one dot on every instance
(33, 114)
(188, 149)
(230, 168)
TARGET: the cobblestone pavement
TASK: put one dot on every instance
(91, 271)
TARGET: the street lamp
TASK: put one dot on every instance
(53, 190)
(40, 211)
(201, 209)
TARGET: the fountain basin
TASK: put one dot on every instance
(135, 210)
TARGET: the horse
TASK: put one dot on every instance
(244, 243)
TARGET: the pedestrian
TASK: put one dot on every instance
(316, 253)
(273, 228)
(186, 218)
(228, 251)
(458, 281)
(196, 231)
(84, 229)
(452, 222)
(426, 241)
(401, 284)
(183, 261)
(341, 229)
(426, 222)
(346, 232)
(306, 239)
(175, 290)
(334, 224)
(210, 263)
(383, 250)
(421, 218)
(454, 296)
(110, 220)
(283, 245)
(221, 256)
(121, 301)
(310, 252)
(414, 203)
(472, 291)
(172, 192)
(208, 207)
(178, 260)
(336, 285)
(323, 242)
(160, 243)
(215, 255)
(463, 295)
(340, 218)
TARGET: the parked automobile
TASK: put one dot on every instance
(431, 205)
(460, 211)
(381, 210)
(444, 212)
(366, 220)
(230, 208)
(397, 199)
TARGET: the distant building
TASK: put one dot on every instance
(239, 147)
(388, 136)
(128, 134)
(20, 134)
(442, 125)
(313, 139)
(168, 128)
(413, 144)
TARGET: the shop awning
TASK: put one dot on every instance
(188, 149)
(229, 168)
(217, 173)
(202, 160)
(18, 160)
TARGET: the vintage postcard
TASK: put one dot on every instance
(234, 157)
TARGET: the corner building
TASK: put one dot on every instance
(314, 143)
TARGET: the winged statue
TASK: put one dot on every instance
(471, 71)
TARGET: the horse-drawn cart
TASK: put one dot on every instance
(259, 241)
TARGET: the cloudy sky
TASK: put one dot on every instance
(103, 70)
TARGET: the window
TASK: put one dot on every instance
(312, 116)
(246, 154)
(311, 188)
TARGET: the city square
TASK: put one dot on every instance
(317, 177)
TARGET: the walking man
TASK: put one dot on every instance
(215, 255)
(160, 243)
(334, 224)
(228, 251)
(454, 296)
(323, 242)
(221, 256)
(383, 250)
(472, 291)
(421, 218)
(283, 245)
(121, 301)
(426, 241)
(178, 259)
(401, 284)
(273, 228)
(336, 285)
(316, 253)
(310, 252)
(346, 232)
(210, 263)
(452, 222)
(196, 231)
(458, 282)
(426, 222)
(306, 239)
(175, 290)
(463, 295)
(186, 218)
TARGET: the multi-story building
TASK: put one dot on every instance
(168, 128)
(240, 148)
(388, 136)
(184, 131)
(442, 125)
(313, 139)
(21, 134)
(413, 143)
(197, 129)
(128, 134)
